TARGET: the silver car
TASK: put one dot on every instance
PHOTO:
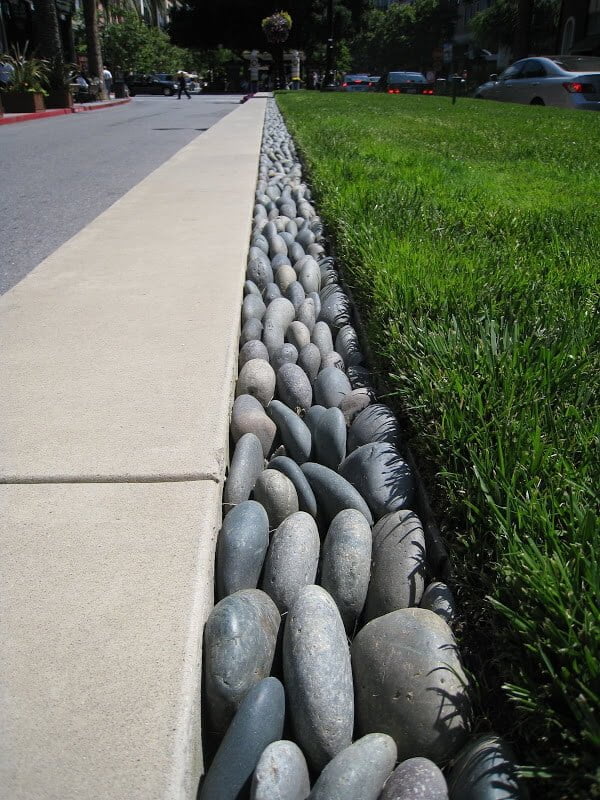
(564, 81)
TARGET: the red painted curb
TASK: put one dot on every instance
(56, 112)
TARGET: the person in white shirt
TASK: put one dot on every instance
(107, 75)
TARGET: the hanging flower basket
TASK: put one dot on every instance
(277, 27)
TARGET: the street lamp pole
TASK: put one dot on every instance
(328, 80)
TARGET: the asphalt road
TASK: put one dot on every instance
(58, 174)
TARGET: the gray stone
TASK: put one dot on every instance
(241, 548)
(312, 417)
(333, 492)
(281, 773)
(359, 771)
(257, 377)
(248, 416)
(316, 298)
(251, 330)
(295, 294)
(281, 311)
(260, 242)
(377, 423)
(333, 359)
(259, 268)
(315, 249)
(438, 598)
(287, 354)
(292, 228)
(330, 386)
(270, 292)
(294, 434)
(280, 260)
(416, 779)
(252, 349)
(309, 359)
(347, 345)
(246, 465)
(251, 288)
(273, 334)
(318, 676)
(305, 237)
(258, 723)
(306, 314)
(239, 645)
(321, 336)
(329, 277)
(293, 387)
(284, 276)
(485, 769)
(410, 684)
(289, 209)
(295, 251)
(329, 438)
(310, 276)
(277, 245)
(253, 308)
(306, 497)
(352, 404)
(398, 564)
(360, 378)
(346, 564)
(298, 334)
(292, 559)
(276, 493)
(382, 477)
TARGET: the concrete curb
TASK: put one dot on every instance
(124, 341)
(57, 112)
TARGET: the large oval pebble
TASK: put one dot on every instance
(276, 493)
(241, 548)
(333, 492)
(253, 307)
(293, 387)
(335, 306)
(257, 377)
(359, 771)
(281, 773)
(438, 598)
(239, 645)
(318, 676)
(398, 564)
(410, 684)
(306, 497)
(347, 345)
(248, 416)
(416, 779)
(321, 337)
(377, 423)
(258, 723)
(252, 349)
(287, 354)
(292, 559)
(381, 476)
(309, 359)
(346, 564)
(246, 465)
(331, 386)
(329, 438)
(485, 769)
(294, 434)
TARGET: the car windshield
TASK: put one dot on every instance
(406, 77)
(578, 63)
(355, 78)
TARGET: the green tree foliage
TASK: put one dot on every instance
(499, 24)
(133, 46)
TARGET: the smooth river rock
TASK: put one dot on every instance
(332, 359)
(318, 676)
(287, 354)
(321, 337)
(398, 564)
(298, 334)
(251, 330)
(253, 308)
(377, 423)
(346, 564)
(280, 311)
(252, 349)
(258, 723)
(438, 598)
(239, 645)
(333, 492)
(409, 683)
(295, 294)
(382, 477)
(257, 377)
(284, 276)
(292, 559)
(251, 288)
(270, 292)
(352, 404)
(359, 771)
(309, 358)
(281, 773)
(246, 465)
(273, 334)
(306, 497)
(306, 314)
(294, 434)
(310, 276)
(259, 268)
(335, 306)
(485, 769)
(276, 493)
(330, 387)
(329, 438)
(241, 548)
(416, 779)
(347, 345)
(248, 416)
(293, 387)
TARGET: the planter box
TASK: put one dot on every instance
(59, 99)
(23, 102)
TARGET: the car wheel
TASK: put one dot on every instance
(537, 101)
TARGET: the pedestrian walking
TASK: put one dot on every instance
(107, 75)
(182, 86)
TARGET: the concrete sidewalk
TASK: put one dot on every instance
(9, 119)
(118, 363)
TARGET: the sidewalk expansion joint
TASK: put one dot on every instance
(184, 477)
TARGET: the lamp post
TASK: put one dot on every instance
(277, 29)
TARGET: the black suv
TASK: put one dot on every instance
(152, 84)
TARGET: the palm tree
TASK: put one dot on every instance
(92, 37)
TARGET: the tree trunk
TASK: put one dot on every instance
(48, 31)
(523, 32)
(92, 38)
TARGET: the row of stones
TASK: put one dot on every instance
(347, 613)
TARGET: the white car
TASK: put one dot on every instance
(564, 81)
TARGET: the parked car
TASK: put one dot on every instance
(373, 82)
(159, 83)
(565, 81)
(354, 83)
(406, 83)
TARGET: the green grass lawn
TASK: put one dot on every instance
(470, 236)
